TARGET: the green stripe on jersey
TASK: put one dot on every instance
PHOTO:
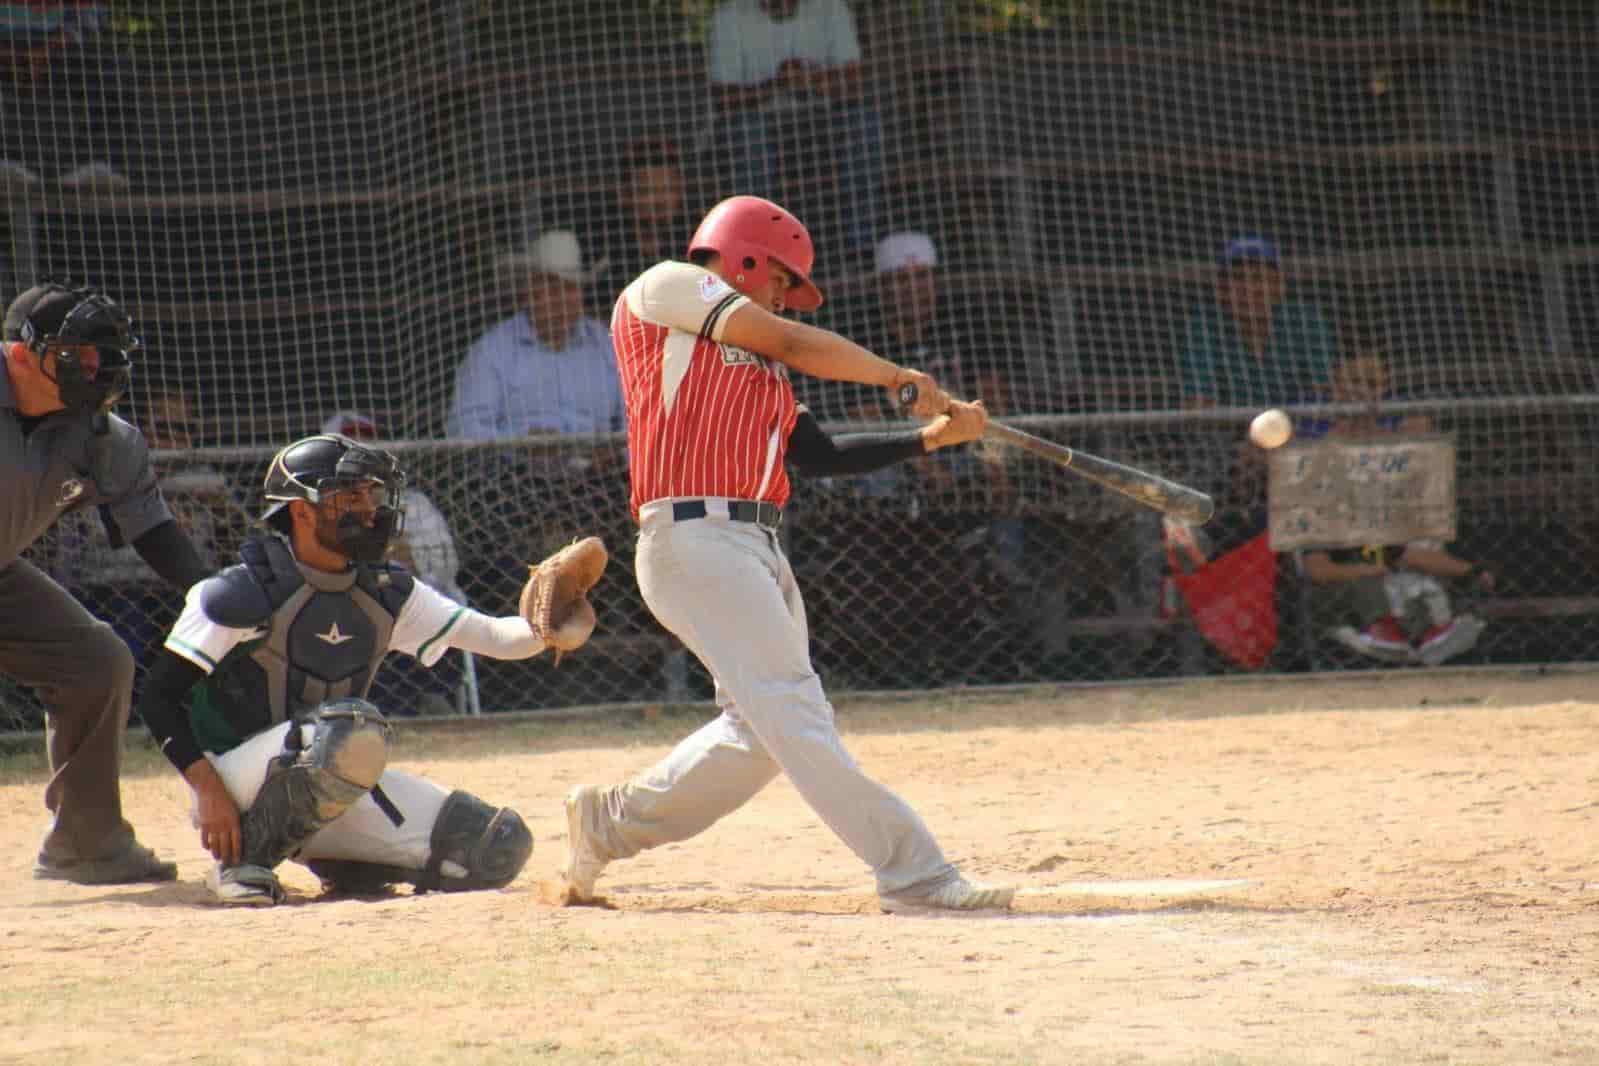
(422, 652)
(196, 652)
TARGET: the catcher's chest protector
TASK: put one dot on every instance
(325, 636)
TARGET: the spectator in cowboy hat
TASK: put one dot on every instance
(547, 368)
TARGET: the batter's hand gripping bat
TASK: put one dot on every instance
(1167, 497)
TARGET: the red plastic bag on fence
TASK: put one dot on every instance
(1232, 598)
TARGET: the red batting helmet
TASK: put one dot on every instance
(746, 231)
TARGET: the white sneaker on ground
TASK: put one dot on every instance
(583, 863)
(1371, 647)
(957, 895)
(244, 885)
(1442, 643)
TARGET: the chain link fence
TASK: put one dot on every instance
(308, 208)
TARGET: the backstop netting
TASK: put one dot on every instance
(1127, 226)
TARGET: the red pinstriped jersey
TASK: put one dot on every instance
(703, 418)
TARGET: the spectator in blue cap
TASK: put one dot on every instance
(1253, 347)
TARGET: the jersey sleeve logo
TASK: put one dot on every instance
(712, 288)
(732, 355)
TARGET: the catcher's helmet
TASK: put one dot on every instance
(314, 468)
(746, 231)
(55, 316)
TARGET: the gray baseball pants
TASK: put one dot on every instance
(727, 591)
(83, 673)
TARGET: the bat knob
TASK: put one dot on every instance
(907, 395)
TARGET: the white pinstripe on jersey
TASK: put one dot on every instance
(703, 418)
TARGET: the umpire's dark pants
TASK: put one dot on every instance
(83, 674)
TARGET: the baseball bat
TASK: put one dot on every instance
(1153, 491)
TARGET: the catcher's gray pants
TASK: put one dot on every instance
(727, 591)
(83, 674)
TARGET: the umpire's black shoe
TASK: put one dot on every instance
(130, 864)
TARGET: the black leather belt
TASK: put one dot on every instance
(766, 515)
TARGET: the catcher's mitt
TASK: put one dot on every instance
(555, 598)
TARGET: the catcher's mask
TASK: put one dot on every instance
(327, 469)
(55, 318)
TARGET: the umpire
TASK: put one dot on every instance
(68, 357)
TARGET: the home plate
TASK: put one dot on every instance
(1152, 889)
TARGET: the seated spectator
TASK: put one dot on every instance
(55, 57)
(1387, 602)
(110, 578)
(648, 225)
(426, 547)
(1250, 347)
(549, 367)
(1253, 347)
(913, 322)
(782, 68)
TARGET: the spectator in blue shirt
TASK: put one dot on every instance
(549, 367)
(1254, 347)
(547, 370)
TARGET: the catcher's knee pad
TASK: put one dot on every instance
(315, 781)
(476, 846)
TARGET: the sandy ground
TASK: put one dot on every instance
(1400, 869)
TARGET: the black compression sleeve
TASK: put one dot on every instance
(171, 554)
(816, 454)
(162, 709)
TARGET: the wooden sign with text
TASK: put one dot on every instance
(1348, 493)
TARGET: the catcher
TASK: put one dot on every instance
(257, 696)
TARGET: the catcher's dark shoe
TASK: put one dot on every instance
(342, 877)
(130, 864)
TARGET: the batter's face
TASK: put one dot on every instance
(773, 295)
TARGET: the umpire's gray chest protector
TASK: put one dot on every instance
(326, 634)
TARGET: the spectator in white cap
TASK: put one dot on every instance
(910, 329)
(549, 367)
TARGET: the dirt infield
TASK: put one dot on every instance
(1394, 870)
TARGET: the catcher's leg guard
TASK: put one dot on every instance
(314, 782)
(477, 846)
(472, 846)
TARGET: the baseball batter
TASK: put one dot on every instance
(68, 357)
(258, 696)
(705, 355)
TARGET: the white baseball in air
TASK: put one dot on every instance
(1271, 429)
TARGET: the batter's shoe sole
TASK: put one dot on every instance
(959, 895)
(583, 866)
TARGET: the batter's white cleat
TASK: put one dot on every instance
(583, 864)
(957, 895)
